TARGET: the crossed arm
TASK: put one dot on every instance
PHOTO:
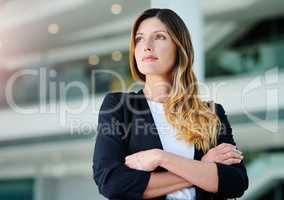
(205, 173)
(117, 176)
(162, 183)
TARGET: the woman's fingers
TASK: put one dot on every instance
(228, 154)
(231, 161)
(232, 154)
(132, 161)
(225, 146)
(228, 148)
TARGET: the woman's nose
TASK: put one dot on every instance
(148, 46)
(147, 49)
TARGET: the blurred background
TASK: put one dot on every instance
(59, 58)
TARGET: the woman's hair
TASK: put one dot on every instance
(196, 121)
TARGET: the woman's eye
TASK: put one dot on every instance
(159, 36)
(137, 39)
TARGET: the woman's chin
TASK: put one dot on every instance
(150, 72)
(149, 69)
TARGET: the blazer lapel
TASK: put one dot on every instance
(152, 136)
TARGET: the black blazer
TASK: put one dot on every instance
(126, 126)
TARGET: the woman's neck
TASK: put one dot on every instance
(156, 88)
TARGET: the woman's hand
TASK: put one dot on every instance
(224, 153)
(144, 160)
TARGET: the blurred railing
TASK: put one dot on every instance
(246, 60)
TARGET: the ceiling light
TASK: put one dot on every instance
(53, 28)
(116, 9)
(116, 55)
(94, 60)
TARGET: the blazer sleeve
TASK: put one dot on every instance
(113, 177)
(233, 179)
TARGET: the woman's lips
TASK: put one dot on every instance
(149, 58)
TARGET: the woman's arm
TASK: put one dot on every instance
(232, 178)
(162, 183)
(229, 181)
(166, 182)
(113, 177)
(201, 174)
(205, 175)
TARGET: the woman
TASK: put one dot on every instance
(163, 142)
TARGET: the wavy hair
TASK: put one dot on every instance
(195, 120)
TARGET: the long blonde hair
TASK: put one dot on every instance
(196, 121)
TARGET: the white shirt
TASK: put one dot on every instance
(167, 134)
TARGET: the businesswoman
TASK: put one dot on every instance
(163, 142)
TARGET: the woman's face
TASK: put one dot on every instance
(155, 51)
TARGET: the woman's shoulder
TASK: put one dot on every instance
(119, 102)
(118, 97)
(113, 95)
(119, 94)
